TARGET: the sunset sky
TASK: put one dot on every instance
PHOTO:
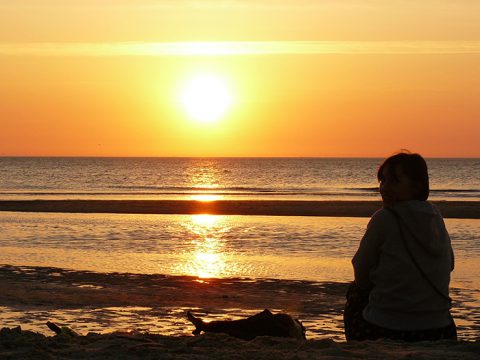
(239, 78)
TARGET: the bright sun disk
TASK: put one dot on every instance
(206, 98)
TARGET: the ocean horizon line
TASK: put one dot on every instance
(219, 157)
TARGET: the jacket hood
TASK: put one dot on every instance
(425, 222)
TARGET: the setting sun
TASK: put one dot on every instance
(206, 97)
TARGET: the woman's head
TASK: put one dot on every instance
(403, 176)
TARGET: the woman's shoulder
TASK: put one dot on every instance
(382, 217)
(382, 214)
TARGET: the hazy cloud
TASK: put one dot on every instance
(230, 48)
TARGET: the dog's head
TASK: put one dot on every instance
(298, 330)
(293, 327)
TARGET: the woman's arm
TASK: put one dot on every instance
(452, 257)
(368, 251)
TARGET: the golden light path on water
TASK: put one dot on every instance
(206, 197)
(204, 180)
(207, 260)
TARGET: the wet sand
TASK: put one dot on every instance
(318, 304)
(158, 303)
(449, 209)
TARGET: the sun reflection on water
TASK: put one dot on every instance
(206, 197)
(208, 258)
(205, 178)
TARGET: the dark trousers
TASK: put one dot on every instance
(357, 328)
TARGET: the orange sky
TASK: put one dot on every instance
(315, 78)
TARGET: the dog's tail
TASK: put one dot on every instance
(199, 324)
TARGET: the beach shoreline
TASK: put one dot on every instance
(449, 209)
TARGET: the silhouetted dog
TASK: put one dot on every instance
(261, 324)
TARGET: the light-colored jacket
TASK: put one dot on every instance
(401, 298)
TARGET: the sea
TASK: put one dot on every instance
(260, 248)
(229, 178)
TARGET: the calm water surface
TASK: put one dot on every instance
(318, 249)
(309, 248)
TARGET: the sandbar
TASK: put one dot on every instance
(449, 209)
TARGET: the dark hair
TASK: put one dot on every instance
(414, 167)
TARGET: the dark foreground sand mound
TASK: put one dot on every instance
(18, 344)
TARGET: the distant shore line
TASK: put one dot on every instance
(341, 208)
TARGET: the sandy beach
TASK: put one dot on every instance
(449, 209)
(143, 316)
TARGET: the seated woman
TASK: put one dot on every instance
(403, 264)
(261, 324)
